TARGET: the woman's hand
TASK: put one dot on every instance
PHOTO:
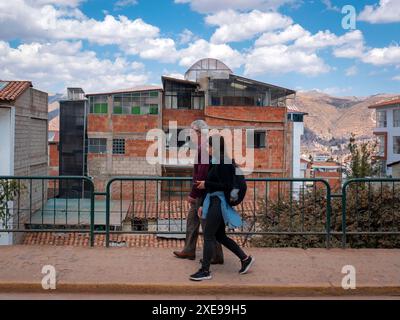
(200, 185)
(200, 211)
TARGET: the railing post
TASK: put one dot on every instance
(92, 208)
(108, 191)
(344, 225)
(328, 215)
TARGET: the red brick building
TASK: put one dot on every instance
(118, 122)
(331, 171)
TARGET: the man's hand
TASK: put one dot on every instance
(200, 185)
(200, 211)
(191, 200)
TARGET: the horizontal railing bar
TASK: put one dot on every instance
(46, 230)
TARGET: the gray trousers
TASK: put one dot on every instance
(192, 232)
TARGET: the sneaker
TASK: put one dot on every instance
(246, 264)
(201, 275)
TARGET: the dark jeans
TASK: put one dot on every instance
(215, 231)
(192, 232)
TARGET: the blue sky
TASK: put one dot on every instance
(105, 45)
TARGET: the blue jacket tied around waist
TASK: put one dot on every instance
(231, 216)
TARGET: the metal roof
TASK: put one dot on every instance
(133, 89)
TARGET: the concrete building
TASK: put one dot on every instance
(73, 142)
(387, 131)
(23, 151)
(296, 124)
(118, 121)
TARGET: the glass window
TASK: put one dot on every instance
(137, 103)
(97, 145)
(381, 119)
(381, 145)
(98, 104)
(153, 94)
(182, 96)
(396, 145)
(396, 118)
(259, 140)
(118, 146)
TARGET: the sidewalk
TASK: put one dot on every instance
(277, 272)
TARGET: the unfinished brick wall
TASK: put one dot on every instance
(30, 153)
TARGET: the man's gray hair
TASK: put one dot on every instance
(199, 125)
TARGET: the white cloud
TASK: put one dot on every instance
(125, 3)
(54, 66)
(295, 49)
(62, 3)
(186, 36)
(397, 78)
(283, 59)
(386, 11)
(329, 6)
(351, 44)
(351, 71)
(234, 26)
(212, 6)
(51, 23)
(203, 49)
(291, 33)
(383, 56)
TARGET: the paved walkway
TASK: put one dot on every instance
(277, 272)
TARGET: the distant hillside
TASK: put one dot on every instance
(331, 120)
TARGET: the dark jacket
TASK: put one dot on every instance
(220, 178)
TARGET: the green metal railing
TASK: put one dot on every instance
(282, 190)
(274, 208)
(371, 198)
(36, 204)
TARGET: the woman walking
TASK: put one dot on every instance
(216, 209)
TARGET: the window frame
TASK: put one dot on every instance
(119, 146)
(98, 101)
(98, 146)
(255, 144)
(380, 121)
(396, 143)
(396, 122)
(136, 103)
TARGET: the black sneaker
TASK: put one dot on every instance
(201, 275)
(246, 264)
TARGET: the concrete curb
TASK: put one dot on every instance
(201, 289)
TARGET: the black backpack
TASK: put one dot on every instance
(239, 182)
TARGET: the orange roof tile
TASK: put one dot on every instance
(13, 89)
(175, 209)
(385, 103)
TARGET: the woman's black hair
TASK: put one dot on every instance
(219, 139)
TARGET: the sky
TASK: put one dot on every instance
(102, 45)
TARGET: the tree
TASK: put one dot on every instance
(362, 163)
(8, 191)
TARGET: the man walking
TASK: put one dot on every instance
(193, 221)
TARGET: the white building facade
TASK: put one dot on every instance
(387, 131)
